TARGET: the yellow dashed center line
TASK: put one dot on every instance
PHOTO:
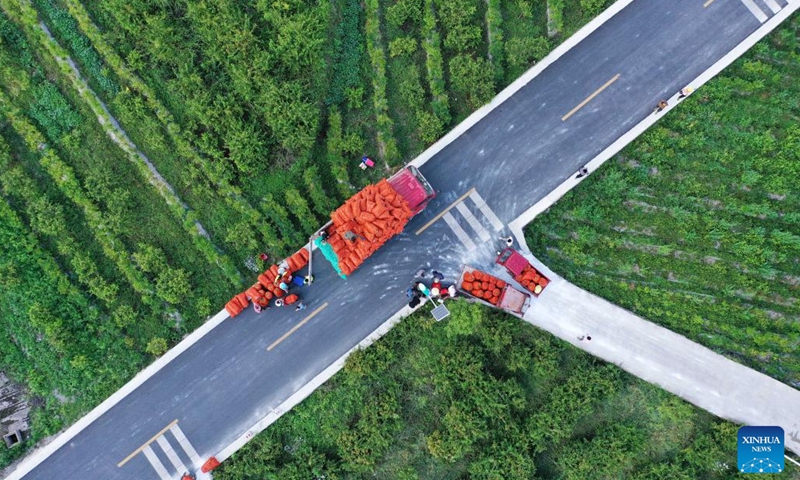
(285, 335)
(590, 97)
(443, 212)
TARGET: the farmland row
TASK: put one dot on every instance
(137, 91)
(193, 227)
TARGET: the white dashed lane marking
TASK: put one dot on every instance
(184, 443)
(173, 457)
(473, 222)
(481, 204)
(757, 12)
(156, 463)
(460, 233)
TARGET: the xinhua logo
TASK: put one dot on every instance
(761, 450)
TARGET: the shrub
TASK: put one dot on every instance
(472, 79)
(524, 52)
(402, 46)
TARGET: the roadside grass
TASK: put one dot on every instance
(694, 226)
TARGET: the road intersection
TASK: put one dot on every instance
(242, 371)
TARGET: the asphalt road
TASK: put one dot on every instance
(228, 380)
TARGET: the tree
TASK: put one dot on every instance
(472, 79)
(157, 346)
(173, 285)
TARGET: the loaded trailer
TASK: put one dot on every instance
(522, 271)
(371, 217)
(492, 291)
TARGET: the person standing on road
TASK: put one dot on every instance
(585, 338)
(300, 306)
(509, 241)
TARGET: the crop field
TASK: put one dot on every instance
(150, 151)
(696, 225)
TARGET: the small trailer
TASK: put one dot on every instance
(492, 291)
(523, 272)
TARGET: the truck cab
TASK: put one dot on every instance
(413, 187)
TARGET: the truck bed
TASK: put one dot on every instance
(508, 298)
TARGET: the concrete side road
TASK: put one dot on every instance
(657, 355)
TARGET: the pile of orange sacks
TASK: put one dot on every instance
(374, 215)
(532, 280)
(484, 286)
(263, 291)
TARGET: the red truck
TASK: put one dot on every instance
(371, 217)
(413, 187)
(492, 291)
(523, 272)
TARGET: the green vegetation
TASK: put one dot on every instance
(485, 396)
(695, 225)
(78, 310)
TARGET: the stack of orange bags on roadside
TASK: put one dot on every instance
(267, 280)
(375, 214)
(530, 278)
(483, 286)
(298, 260)
(237, 304)
(258, 294)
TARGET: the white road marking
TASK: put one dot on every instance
(460, 233)
(173, 457)
(187, 447)
(759, 14)
(473, 222)
(156, 463)
(773, 6)
(481, 204)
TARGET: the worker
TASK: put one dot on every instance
(437, 275)
(300, 306)
(509, 241)
(661, 106)
(188, 476)
(415, 300)
(279, 302)
(685, 91)
(436, 287)
(451, 291)
(284, 287)
(257, 307)
(281, 272)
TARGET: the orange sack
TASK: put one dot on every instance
(242, 299)
(233, 308)
(290, 299)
